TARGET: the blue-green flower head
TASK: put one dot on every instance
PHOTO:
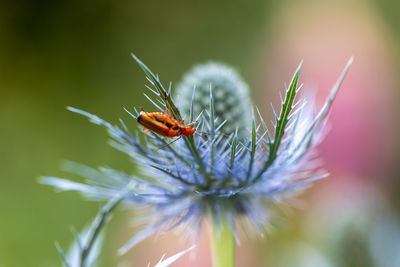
(231, 96)
(186, 180)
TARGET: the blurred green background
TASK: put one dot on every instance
(55, 54)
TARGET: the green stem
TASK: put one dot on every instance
(223, 245)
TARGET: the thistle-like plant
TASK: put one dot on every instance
(233, 179)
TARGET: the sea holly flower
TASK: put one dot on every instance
(226, 174)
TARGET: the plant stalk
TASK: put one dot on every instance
(223, 245)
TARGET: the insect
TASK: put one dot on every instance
(163, 124)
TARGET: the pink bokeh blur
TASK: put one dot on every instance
(325, 35)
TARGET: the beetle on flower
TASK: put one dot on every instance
(231, 178)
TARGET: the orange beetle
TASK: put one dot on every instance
(162, 124)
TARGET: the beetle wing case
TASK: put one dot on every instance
(153, 125)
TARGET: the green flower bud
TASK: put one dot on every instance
(231, 96)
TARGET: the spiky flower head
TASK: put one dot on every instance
(231, 96)
(181, 183)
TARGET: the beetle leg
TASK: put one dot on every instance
(145, 131)
(170, 112)
(190, 124)
(182, 121)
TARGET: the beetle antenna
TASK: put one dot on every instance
(208, 133)
(173, 141)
